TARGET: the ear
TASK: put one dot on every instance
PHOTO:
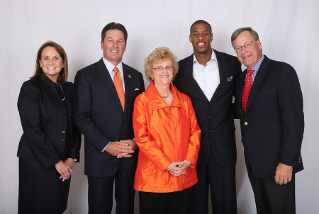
(190, 38)
(259, 44)
(211, 37)
(40, 63)
(101, 45)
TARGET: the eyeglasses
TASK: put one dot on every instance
(161, 68)
(246, 45)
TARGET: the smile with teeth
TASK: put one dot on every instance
(51, 68)
(114, 51)
(201, 44)
(246, 56)
(164, 76)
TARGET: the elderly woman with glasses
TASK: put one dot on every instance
(168, 138)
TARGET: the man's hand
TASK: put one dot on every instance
(70, 162)
(128, 145)
(283, 174)
(64, 170)
(123, 148)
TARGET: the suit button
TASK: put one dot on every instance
(210, 117)
(63, 123)
(63, 132)
(245, 123)
(62, 140)
(210, 131)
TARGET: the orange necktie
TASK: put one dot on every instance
(119, 86)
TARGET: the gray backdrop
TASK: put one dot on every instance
(288, 31)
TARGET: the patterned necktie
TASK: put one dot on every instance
(119, 86)
(246, 90)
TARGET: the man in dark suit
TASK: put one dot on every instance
(104, 97)
(270, 108)
(209, 77)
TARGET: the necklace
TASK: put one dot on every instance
(62, 92)
(166, 95)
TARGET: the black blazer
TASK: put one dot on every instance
(215, 117)
(99, 115)
(272, 128)
(44, 119)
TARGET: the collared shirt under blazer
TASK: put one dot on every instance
(164, 134)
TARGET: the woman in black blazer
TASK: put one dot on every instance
(50, 142)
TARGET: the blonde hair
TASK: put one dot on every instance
(159, 54)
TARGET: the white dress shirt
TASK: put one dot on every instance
(207, 76)
(110, 68)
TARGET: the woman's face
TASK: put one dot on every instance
(51, 63)
(162, 72)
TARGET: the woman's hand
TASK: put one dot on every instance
(178, 168)
(64, 170)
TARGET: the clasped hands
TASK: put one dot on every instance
(122, 148)
(178, 168)
(65, 168)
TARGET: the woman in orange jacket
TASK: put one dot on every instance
(168, 137)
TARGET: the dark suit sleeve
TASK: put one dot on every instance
(30, 116)
(237, 72)
(76, 134)
(83, 111)
(291, 108)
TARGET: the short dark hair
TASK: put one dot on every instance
(201, 22)
(114, 26)
(253, 33)
(63, 75)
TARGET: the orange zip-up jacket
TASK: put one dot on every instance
(164, 134)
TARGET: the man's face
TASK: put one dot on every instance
(248, 56)
(113, 46)
(201, 37)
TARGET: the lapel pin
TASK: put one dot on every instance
(229, 78)
(136, 89)
(129, 76)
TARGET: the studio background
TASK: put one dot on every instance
(288, 30)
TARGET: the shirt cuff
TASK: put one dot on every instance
(105, 147)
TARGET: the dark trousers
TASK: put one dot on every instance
(165, 203)
(272, 198)
(101, 193)
(222, 184)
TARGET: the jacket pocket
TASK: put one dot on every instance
(149, 170)
(273, 139)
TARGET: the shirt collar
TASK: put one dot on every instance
(110, 67)
(213, 57)
(256, 67)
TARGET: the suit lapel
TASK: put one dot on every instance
(106, 79)
(195, 90)
(223, 70)
(128, 80)
(257, 82)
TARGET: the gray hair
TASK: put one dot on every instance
(253, 34)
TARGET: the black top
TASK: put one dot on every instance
(47, 123)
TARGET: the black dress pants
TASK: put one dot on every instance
(222, 184)
(272, 198)
(165, 203)
(101, 193)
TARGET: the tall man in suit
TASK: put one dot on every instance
(103, 106)
(269, 104)
(209, 77)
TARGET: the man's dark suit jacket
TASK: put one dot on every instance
(215, 117)
(272, 128)
(99, 115)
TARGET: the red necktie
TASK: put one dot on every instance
(119, 86)
(246, 90)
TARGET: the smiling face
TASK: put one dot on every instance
(248, 56)
(113, 46)
(201, 37)
(51, 63)
(165, 76)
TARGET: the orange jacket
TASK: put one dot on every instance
(164, 134)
